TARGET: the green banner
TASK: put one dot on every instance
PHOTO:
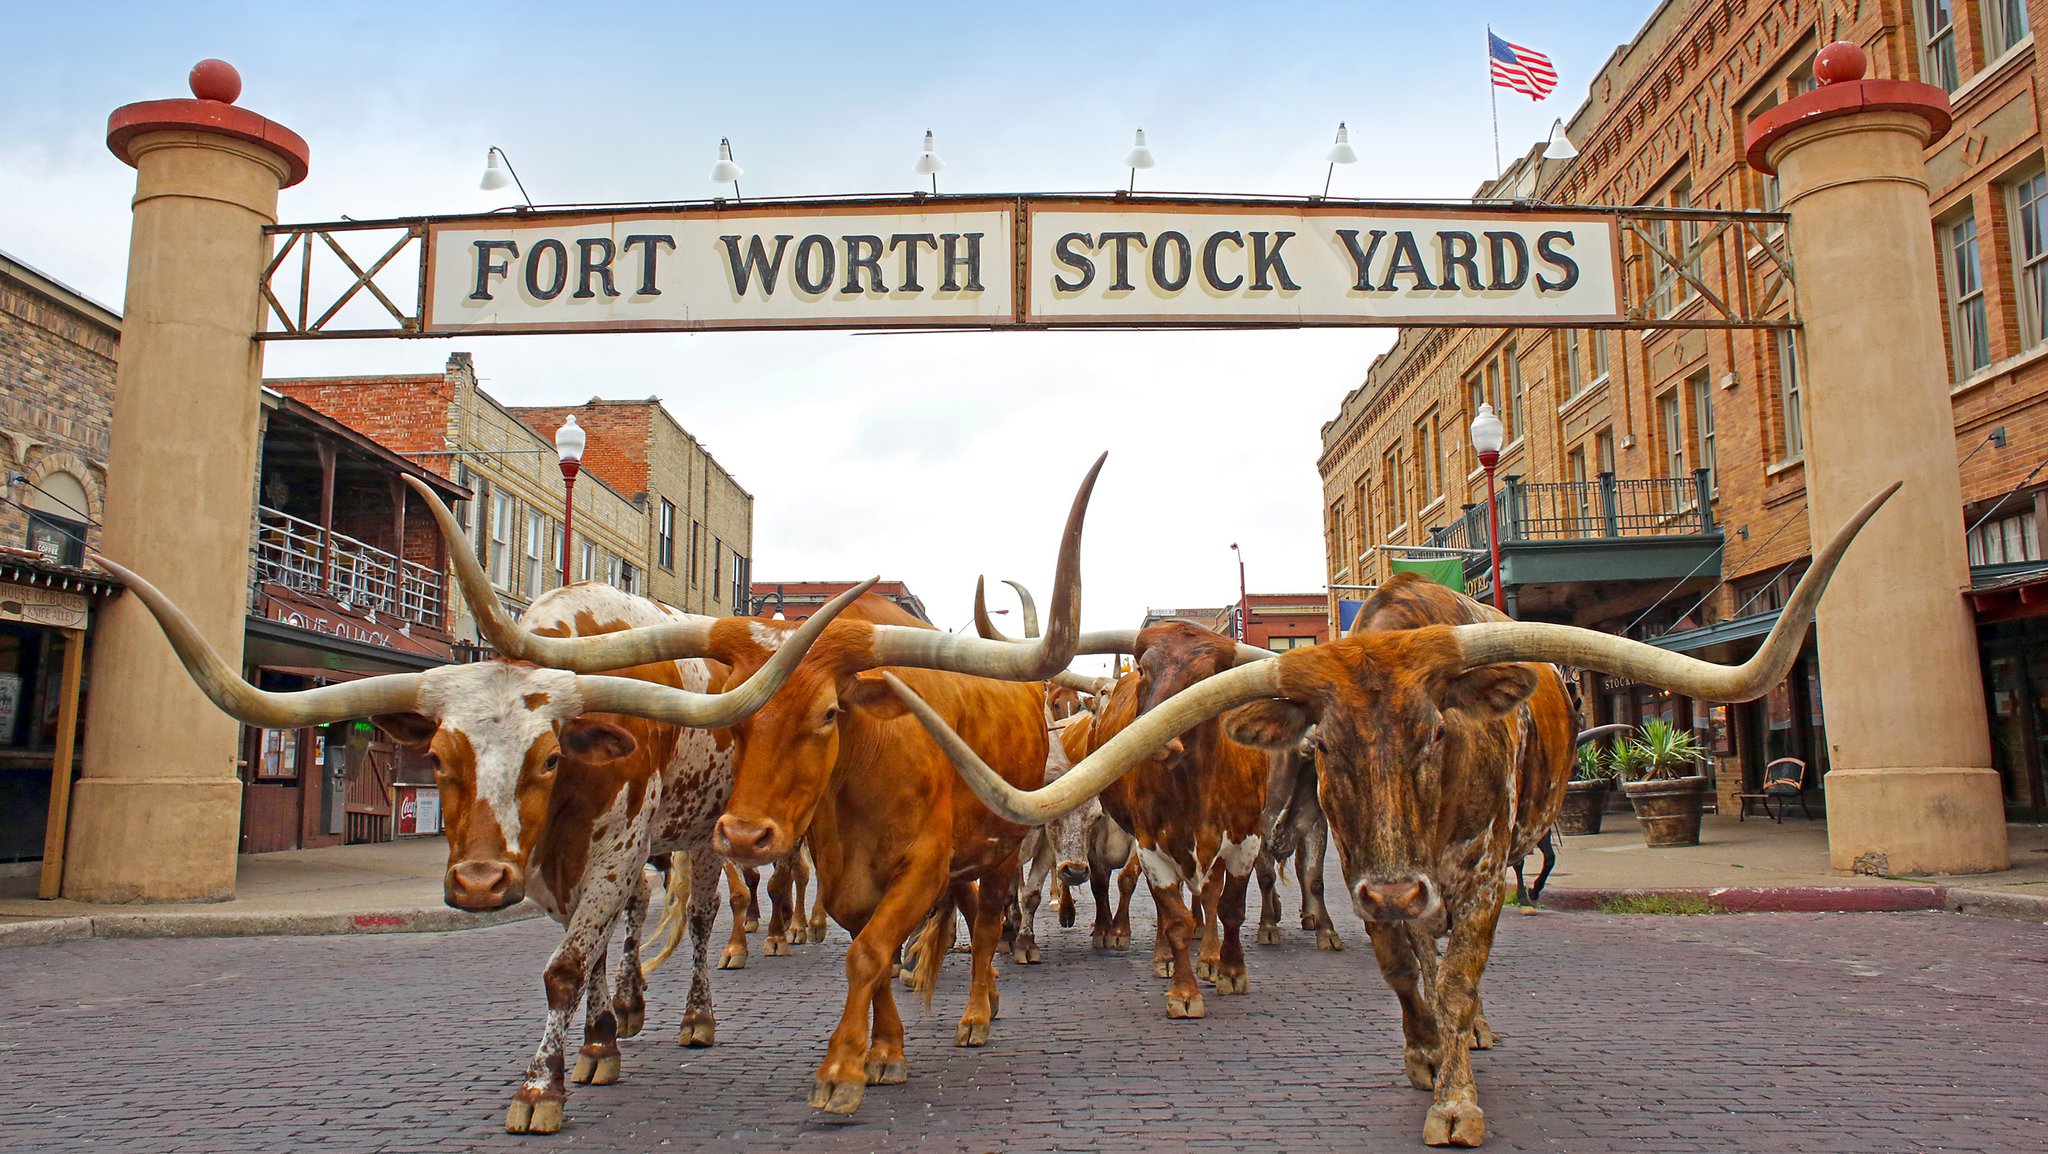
(1448, 572)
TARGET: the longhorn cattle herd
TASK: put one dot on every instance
(1432, 741)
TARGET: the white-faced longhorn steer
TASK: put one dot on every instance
(555, 786)
(1443, 752)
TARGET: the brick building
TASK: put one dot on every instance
(56, 410)
(1653, 481)
(699, 554)
(797, 600)
(1276, 621)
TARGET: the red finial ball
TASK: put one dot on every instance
(1840, 63)
(215, 80)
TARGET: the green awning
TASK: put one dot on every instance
(1448, 572)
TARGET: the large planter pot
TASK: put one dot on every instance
(1585, 802)
(1668, 810)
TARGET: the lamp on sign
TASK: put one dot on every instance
(1560, 146)
(495, 177)
(928, 162)
(725, 171)
(1138, 157)
(1340, 153)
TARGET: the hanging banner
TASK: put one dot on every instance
(957, 262)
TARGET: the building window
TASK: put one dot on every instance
(1674, 434)
(1427, 473)
(696, 536)
(665, 542)
(1596, 343)
(619, 574)
(1969, 331)
(717, 565)
(1937, 44)
(589, 567)
(1603, 449)
(59, 539)
(535, 542)
(1574, 384)
(461, 508)
(739, 581)
(1788, 395)
(1511, 374)
(2030, 251)
(1703, 429)
(2005, 24)
(1478, 391)
(1672, 290)
(1583, 492)
(1392, 492)
(501, 540)
(2005, 540)
(554, 553)
(1283, 644)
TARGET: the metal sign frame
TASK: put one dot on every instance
(368, 279)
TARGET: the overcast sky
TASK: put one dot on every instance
(928, 458)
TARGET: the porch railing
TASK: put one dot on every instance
(299, 554)
(1604, 507)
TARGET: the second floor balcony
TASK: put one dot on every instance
(1555, 534)
(305, 558)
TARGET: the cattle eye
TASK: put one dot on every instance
(831, 714)
(554, 759)
(1437, 738)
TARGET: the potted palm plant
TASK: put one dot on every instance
(1585, 796)
(1663, 784)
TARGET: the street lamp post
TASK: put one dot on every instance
(569, 442)
(1486, 434)
(1243, 602)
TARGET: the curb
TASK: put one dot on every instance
(1783, 899)
(47, 931)
(1999, 904)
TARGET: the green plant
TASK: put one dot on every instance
(1663, 904)
(1666, 751)
(1592, 765)
(1625, 761)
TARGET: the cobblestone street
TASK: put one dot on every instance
(1820, 1032)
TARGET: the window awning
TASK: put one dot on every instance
(1719, 633)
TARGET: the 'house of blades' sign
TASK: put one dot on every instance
(1015, 262)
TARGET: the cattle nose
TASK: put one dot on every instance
(1073, 873)
(482, 885)
(746, 841)
(1404, 899)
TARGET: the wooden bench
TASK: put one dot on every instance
(1784, 779)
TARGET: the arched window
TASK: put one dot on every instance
(57, 518)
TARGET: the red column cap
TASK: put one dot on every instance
(1843, 92)
(215, 86)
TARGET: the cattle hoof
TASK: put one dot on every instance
(971, 1034)
(1454, 1124)
(1178, 1007)
(541, 1114)
(1118, 941)
(1421, 1069)
(1329, 940)
(1205, 971)
(995, 1005)
(752, 923)
(1162, 967)
(1310, 921)
(818, 928)
(1238, 983)
(596, 1065)
(632, 1018)
(775, 947)
(1269, 935)
(1026, 952)
(1528, 910)
(1483, 1036)
(1067, 916)
(837, 1097)
(699, 1031)
(734, 958)
(888, 1073)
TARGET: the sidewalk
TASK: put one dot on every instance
(1760, 865)
(393, 887)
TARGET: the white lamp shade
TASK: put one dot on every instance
(1560, 146)
(928, 161)
(1486, 430)
(1140, 156)
(725, 171)
(1342, 152)
(570, 439)
(494, 173)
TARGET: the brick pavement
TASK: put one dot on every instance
(1810, 1032)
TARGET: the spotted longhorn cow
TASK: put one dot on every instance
(1294, 826)
(834, 759)
(555, 786)
(1443, 751)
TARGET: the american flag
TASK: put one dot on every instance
(1525, 70)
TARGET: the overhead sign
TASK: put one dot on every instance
(1019, 262)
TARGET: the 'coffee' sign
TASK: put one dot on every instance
(1019, 262)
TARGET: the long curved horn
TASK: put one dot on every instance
(1082, 683)
(1494, 642)
(1030, 608)
(1599, 731)
(1117, 756)
(391, 693)
(985, 624)
(902, 646)
(688, 637)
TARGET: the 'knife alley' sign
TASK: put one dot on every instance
(1020, 263)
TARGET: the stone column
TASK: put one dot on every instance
(1911, 788)
(157, 815)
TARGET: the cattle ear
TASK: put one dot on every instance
(596, 742)
(868, 692)
(1489, 690)
(409, 729)
(1269, 724)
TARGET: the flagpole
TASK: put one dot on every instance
(1493, 97)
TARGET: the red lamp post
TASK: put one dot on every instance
(569, 442)
(1244, 624)
(1486, 434)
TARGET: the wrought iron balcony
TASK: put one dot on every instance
(300, 555)
(1570, 510)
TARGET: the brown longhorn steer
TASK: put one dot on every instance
(555, 786)
(1430, 743)
(833, 759)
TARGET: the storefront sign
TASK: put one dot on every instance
(51, 607)
(1082, 262)
(324, 616)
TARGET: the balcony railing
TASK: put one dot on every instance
(299, 554)
(1570, 510)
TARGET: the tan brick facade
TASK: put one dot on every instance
(1663, 125)
(56, 401)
